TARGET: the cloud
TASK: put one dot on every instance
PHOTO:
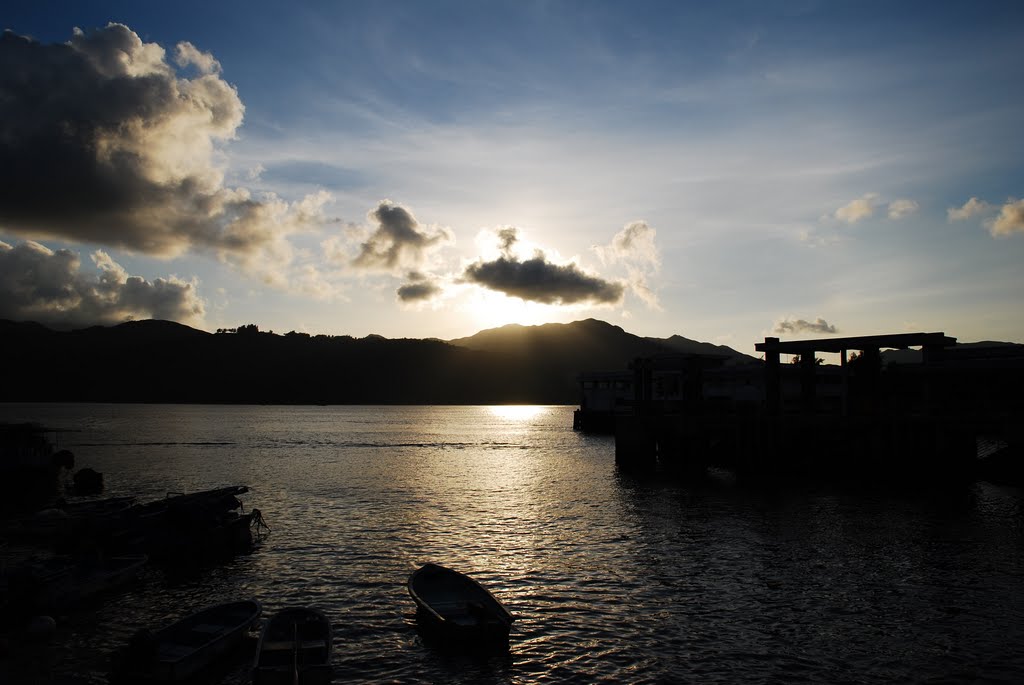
(971, 208)
(634, 244)
(819, 326)
(102, 141)
(635, 247)
(538, 280)
(398, 243)
(857, 210)
(38, 284)
(1010, 219)
(420, 288)
(187, 54)
(815, 238)
(902, 208)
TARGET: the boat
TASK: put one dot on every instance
(64, 522)
(453, 606)
(186, 530)
(294, 649)
(186, 648)
(75, 583)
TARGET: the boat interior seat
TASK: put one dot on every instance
(463, 619)
(210, 628)
(173, 651)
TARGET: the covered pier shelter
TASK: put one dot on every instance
(870, 347)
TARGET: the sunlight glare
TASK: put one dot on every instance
(493, 310)
(517, 412)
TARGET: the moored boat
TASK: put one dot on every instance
(84, 580)
(294, 649)
(452, 605)
(189, 646)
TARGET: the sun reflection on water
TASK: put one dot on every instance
(518, 412)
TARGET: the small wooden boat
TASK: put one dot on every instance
(188, 647)
(294, 649)
(66, 587)
(454, 606)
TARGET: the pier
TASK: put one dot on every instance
(916, 415)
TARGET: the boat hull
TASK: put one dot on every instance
(190, 646)
(454, 608)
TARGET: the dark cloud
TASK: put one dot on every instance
(102, 141)
(418, 292)
(538, 280)
(398, 242)
(819, 326)
(507, 238)
(38, 284)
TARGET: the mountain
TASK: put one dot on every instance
(686, 346)
(595, 344)
(974, 350)
(600, 345)
(162, 361)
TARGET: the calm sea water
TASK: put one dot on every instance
(611, 579)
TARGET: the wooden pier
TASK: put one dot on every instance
(860, 419)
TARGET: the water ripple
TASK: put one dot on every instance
(611, 579)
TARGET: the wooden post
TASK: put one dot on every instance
(871, 368)
(772, 379)
(846, 382)
(808, 382)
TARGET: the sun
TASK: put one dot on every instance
(489, 309)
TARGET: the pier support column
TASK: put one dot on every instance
(636, 446)
(808, 382)
(772, 379)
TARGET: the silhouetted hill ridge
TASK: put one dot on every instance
(685, 345)
(162, 361)
(602, 345)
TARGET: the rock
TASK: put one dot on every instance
(88, 482)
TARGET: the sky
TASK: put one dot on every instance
(722, 171)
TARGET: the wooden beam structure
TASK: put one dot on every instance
(932, 345)
(896, 341)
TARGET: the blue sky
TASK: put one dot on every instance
(723, 171)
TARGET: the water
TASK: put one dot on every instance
(611, 579)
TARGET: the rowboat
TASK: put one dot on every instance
(189, 646)
(65, 587)
(453, 606)
(294, 649)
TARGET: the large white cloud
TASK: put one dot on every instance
(39, 284)
(103, 141)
